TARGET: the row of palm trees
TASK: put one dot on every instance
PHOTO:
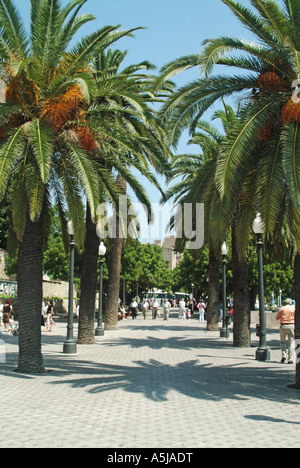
(74, 125)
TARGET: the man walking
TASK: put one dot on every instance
(134, 309)
(166, 308)
(286, 315)
(145, 308)
(155, 307)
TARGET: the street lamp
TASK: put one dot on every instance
(70, 345)
(124, 292)
(99, 330)
(263, 352)
(224, 332)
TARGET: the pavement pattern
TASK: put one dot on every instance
(150, 384)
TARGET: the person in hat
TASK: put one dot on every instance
(286, 315)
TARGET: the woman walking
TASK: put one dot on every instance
(7, 313)
(49, 322)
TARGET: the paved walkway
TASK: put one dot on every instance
(151, 384)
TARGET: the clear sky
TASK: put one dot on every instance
(174, 28)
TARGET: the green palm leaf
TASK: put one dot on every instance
(236, 157)
(291, 161)
(87, 174)
(270, 173)
(10, 152)
(42, 143)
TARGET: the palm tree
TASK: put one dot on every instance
(197, 185)
(261, 151)
(129, 137)
(48, 89)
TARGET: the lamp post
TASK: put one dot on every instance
(100, 330)
(124, 292)
(70, 345)
(263, 352)
(224, 332)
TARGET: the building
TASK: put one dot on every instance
(168, 251)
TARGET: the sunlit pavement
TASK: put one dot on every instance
(151, 384)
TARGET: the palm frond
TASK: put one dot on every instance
(87, 174)
(291, 161)
(270, 176)
(42, 144)
(10, 152)
(13, 32)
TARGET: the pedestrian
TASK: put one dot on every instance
(166, 309)
(182, 307)
(286, 315)
(123, 311)
(201, 307)
(7, 313)
(155, 307)
(145, 308)
(1, 312)
(42, 318)
(49, 322)
(133, 308)
(191, 307)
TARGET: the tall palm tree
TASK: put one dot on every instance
(129, 136)
(269, 119)
(48, 89)
(261, 152)
(197, 185)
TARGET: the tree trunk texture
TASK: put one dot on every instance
(213, 293)
(30, 297)
(297, 327)
(241, 299)
(113, 288)
(86, 330)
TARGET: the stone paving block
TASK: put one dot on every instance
(153, 385)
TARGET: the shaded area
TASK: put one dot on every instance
(214, 374)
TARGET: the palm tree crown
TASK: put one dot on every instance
(266, 138)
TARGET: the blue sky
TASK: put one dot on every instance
(174, 28)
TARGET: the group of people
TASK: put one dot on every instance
(286, 316)
(186, 310)
(155, 307)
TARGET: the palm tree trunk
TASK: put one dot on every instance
(86, 330)
(241, 298)
(30, 296)
(297, 328)
(113, 288)
(213, 292)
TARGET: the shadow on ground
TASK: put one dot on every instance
(238, 378)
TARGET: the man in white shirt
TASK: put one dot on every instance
(145, 308)
(166, 308)
(182, 309)
(134, 308)
(155, 307)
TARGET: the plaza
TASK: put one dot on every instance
(150, 384)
